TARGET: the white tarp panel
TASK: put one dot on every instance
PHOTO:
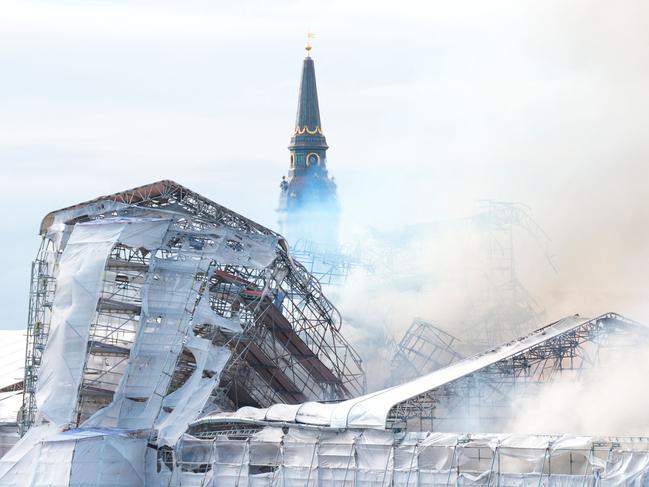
(188, 401)
(282, 412)
(10, 403)
(16, 467)
(12, 359)
(79, 283)
(300, 448)
(109, 460)
(53, 465)
(77, 458)
(168, 298)
(163, 326)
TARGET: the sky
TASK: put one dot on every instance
(428, 107)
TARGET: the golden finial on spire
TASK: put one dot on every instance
(308, 47)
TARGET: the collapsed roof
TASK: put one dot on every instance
(155, 303)
(533, 358)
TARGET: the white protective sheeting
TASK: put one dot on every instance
(10, 403)
(371, 410)
(79, 283)
(15, 466)
(12, 359)
(76, 458)
(8, 437)
(299, 457)
(163, 327)
(204, 314)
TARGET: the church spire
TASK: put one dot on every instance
(308, 204)
(308, 128)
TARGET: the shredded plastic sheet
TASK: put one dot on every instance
(305, 457)
(189, 400)
(165, 328)
(79, 281)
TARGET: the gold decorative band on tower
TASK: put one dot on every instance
(305, 130)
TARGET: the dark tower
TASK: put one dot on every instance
(308, 206)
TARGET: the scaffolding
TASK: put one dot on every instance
(330, 264)
(422, 349)
(41, 294)
(506, 309)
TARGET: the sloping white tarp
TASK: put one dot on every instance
(75, 458)
(12, 359)
(371, 410)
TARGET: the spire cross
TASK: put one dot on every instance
(308, 47)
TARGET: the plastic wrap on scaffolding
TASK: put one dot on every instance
(79, 280)
(302, 457)
(79, 458)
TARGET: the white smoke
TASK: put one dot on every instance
(609, 400)
(445, 273)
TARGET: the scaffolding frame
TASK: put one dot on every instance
(41, 295)
(329, 264)
(509, 309)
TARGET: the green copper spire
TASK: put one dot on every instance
(308, 128)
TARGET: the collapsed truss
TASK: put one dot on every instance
(475, 392)
(486, 394)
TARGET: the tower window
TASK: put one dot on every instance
(312, 159)
(292, 163)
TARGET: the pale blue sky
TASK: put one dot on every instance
(427, 106)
